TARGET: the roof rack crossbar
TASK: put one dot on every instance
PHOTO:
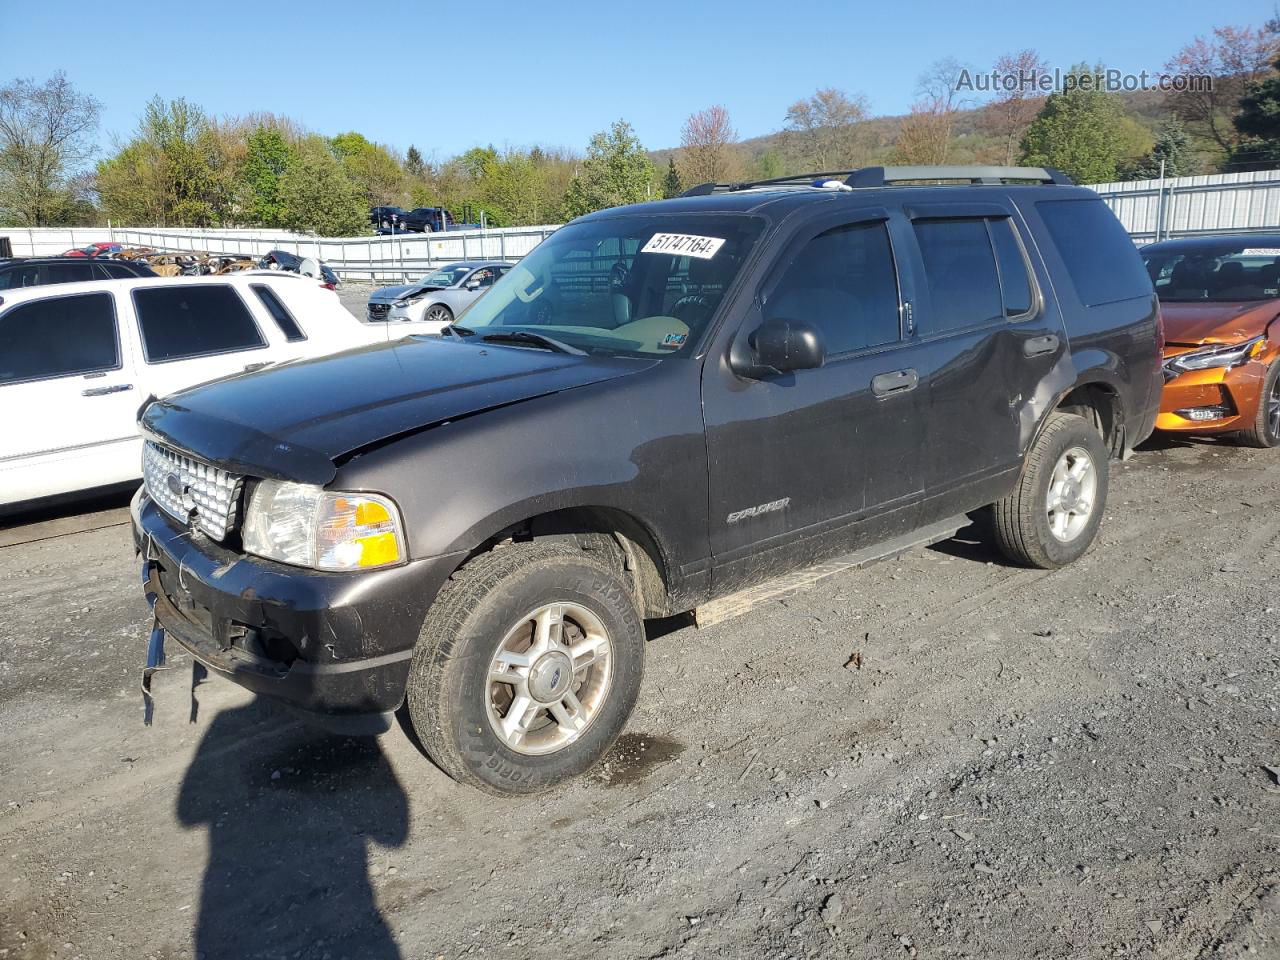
(879, 176)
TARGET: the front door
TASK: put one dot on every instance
(809, 464)
(68, 397)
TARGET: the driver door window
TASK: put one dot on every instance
(843, 282)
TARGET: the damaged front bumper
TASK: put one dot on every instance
(334, 645)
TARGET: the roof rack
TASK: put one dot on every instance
(880, 176)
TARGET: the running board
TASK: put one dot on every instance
(736, 604)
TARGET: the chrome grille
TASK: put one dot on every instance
(379, 311)
(183, 486)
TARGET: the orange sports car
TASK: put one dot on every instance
(1220, 298)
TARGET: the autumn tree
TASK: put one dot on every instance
(46, 137)
(927, 131)
(1017, 99)
(825, 127)
(1234, 59)
(706, 140)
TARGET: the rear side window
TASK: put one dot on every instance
(182, 322)
(1014, 282)
(59, 337)
(68, 272)
(1101, 260)
(844, 283)
(279, 313)
(19, 277)
(964, 285)
(116, 271)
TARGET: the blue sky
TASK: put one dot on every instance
(448, 76)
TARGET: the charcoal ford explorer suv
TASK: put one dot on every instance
(659, 409)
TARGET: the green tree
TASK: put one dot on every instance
(317, 196)
(1172, 147)
(616, 171)
(414, 165)
(371, 167)
(767, 165)
(671, 185)
(46, 136)
(175, 170)
(267, 157)
(1258, 124)
(1080, 129)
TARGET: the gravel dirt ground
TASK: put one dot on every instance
(1083, 763)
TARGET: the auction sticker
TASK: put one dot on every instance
(683, 245)
(1260, 252)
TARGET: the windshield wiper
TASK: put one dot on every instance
(533, 339)
(457, 331)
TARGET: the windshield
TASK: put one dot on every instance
(444, 277)
(630, 286)
(1215, 272)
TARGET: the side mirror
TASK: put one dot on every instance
(472, 285)
(780, 346)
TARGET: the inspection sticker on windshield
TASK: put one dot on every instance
(683, 245)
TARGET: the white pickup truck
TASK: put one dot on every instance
(77, 360)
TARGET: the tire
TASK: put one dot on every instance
(438, 313)
(456, 706)
(1021, 521)
(1265, 432)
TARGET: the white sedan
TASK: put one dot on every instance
(77, 361)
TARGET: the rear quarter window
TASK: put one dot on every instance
(178, 323)
(1101, 260)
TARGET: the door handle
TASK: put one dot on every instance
(103, 391)
(1039, 346)
(900, 381)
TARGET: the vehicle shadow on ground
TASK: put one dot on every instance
(289, 840)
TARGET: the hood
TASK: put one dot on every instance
(1197, 322)
(292, 421)
(388, 294)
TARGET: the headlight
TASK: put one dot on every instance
(1226, 355)
(310, 527)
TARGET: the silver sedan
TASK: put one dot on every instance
(439, 296)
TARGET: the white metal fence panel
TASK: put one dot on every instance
(1149, 209)
(1185, 206)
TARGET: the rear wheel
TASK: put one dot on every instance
(1265, 431)
(528, 666)
(1052, 517)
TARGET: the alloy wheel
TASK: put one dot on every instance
(1073, 488)
(549, 678)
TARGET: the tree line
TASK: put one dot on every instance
(183, 167)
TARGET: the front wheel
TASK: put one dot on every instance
(527, 669)
(1265, 431)
(1052, 517)
(438, 313)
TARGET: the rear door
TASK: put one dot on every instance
(68, 397)
(193, 333)
(808, 464)
(989, 339)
